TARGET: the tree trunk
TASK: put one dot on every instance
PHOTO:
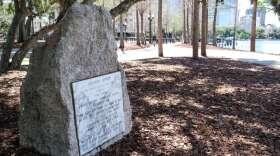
(253, 26)
(21, 31)
(235, 25)
(121, 34)
(188, 24)
(214, 23)
(114, 21)
(29, 44)
(195, 25)
(142, 27)
(160, 46)
(137, 28)
(203, 28)
(5, 57)
(184, 22)
(150, 22)
(206, 18)
(28, 26)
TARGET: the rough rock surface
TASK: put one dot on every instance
(84, 47)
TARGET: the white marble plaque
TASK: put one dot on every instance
(99, 110)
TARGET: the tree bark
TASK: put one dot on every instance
(207, 22)
(137, 28)
(28, 26)
(253, 26)
(188, 24)
(21, 31)
(5, 57)
(204, 28)
(123, 7)
(142, 27)
(235, 25)
(114, 22)
(184, 22)
(121, 34)
(214, 23)
(195, 25)
(160, 46)
(29, 44)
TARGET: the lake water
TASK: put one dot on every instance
(265, 46)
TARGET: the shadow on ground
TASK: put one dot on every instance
(185, 107)
(204, 107)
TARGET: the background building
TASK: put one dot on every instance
(245, 21)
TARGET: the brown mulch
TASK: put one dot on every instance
(183, 107)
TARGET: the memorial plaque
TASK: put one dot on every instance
(99, 113)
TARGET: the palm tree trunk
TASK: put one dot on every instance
(160, 46)
(214, 23)
(203, 28)
(184, 22)
(253, 26)
(195, 25)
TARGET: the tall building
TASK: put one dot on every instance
(246, 21)
(225, 14)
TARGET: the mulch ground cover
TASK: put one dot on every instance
(181, 107)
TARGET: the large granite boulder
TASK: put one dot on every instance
(83, 48)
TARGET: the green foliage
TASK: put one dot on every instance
(42, 7)
(276, 6)
(4, 27)
(10, 8)
(242, 34)
(274, 34)
(260, 33)
(5, 19)
(224, 32)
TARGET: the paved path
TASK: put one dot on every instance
(170, 50)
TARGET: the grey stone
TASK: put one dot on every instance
(84, 47)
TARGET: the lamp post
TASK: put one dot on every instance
(150, 18)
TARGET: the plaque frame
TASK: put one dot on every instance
(99, 147)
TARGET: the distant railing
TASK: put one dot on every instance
(133, 39)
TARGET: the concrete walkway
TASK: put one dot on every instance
(171, 50)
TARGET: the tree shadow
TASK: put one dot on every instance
(186, 107)
(212, 106)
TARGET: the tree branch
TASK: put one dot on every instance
(29, 44)
(123, 7)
